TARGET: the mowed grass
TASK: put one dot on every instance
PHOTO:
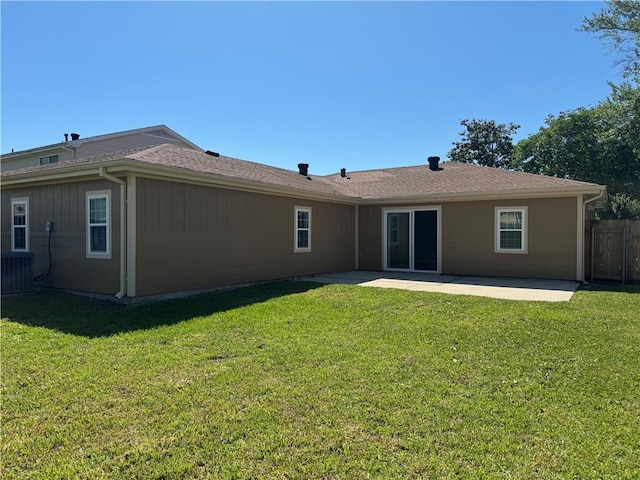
(294, 380)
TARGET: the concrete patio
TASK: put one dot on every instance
(495, 287)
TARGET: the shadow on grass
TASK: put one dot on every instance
(611, 287)
(101, 318)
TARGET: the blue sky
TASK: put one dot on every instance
(359, 85)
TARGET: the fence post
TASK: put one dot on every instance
(592, 248)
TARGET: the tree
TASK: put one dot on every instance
(622, 206)
(619, 23)
(599, 144)
(485, 142)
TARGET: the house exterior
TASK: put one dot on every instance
(74, 146)
(172, 218)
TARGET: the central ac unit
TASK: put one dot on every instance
(17, 272)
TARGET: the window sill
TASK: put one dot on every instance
(99, 256)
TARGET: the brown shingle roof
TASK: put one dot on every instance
(403, 182)
(173, 156)
(451, 178)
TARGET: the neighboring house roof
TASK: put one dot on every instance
(452, 180)
(155, 129)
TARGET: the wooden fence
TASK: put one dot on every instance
(615, 250)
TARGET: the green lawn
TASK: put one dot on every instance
(293, 380)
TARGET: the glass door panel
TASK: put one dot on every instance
(398, 247)
(425, 243)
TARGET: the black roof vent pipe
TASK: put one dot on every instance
(303, 168)
(66, 137)
(433, 163)
(343, 172)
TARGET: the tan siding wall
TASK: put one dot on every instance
(468, 239)
(65, 205)
(370, 238)
(192, 237)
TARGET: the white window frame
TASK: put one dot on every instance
(48, 158)
(525, 244)
(394, 230)
(25, 202)
(91, 196)
(296, 229)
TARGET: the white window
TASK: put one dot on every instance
(20, 224)
(49, 159)
(511, 229)
(302, 229)
(99, 224)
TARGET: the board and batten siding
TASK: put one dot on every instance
(65, 205)
(468, 238)
(192, 237)
(370, 238)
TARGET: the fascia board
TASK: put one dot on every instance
(68, 176)
(501, 195)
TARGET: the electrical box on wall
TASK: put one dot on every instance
(48, 227)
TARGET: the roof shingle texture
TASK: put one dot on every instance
(451, 178)
(402, 182)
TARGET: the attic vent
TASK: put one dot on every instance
(158, 133)
(75, 136)
(343, 172)
(213, 154)
(433, 163)
(303, 168)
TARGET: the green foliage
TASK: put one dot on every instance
(293, 380)
(619, 23)
(485, 142)
(621, 206)
(599, 144)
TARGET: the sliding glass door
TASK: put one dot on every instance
(411, 239)
(398, 240)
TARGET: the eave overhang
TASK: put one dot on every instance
(588, 191)
(124, 167)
